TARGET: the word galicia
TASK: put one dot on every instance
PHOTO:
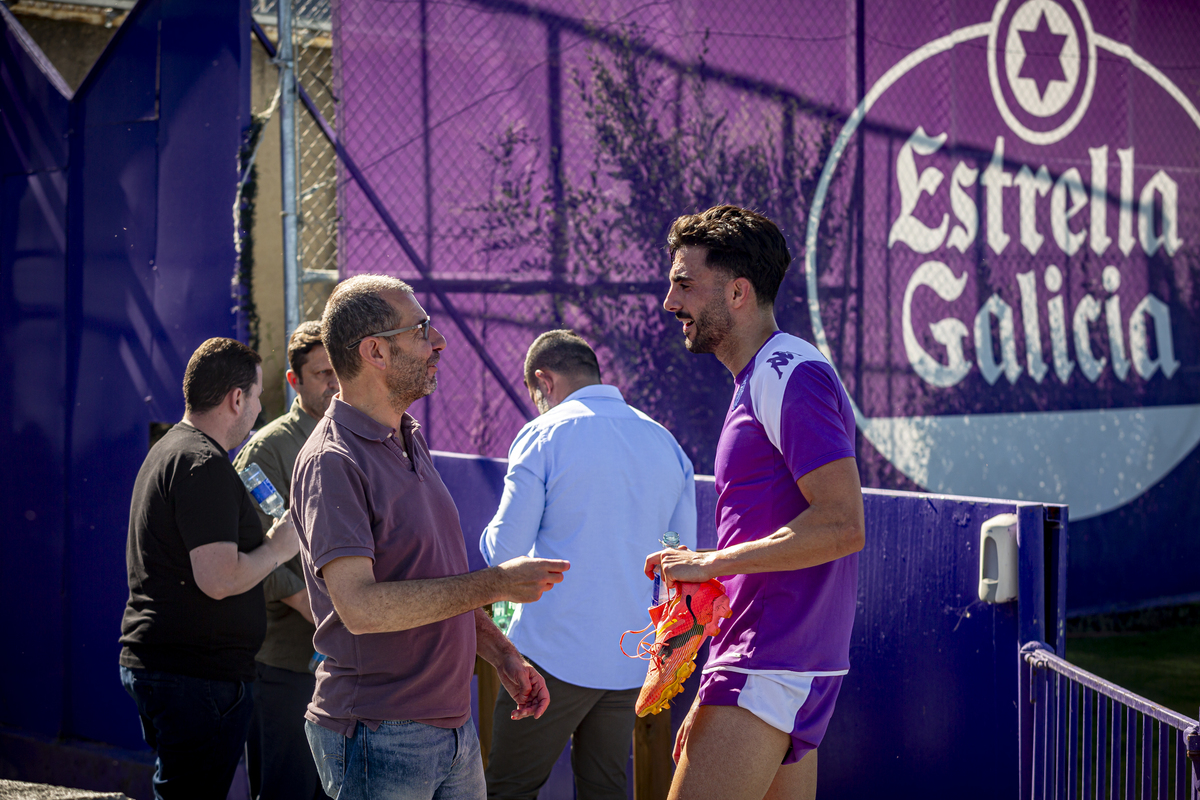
(1157, 228)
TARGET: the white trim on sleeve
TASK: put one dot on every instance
(773, 368)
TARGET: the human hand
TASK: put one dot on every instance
(685, 728)
(525, 685)
(283, 538)
(522, 580)
(680, 565)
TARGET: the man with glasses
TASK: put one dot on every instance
(398, 616)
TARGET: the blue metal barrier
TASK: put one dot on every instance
(1083, 737)
(930, 662)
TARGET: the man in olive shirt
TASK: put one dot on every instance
(277, 755)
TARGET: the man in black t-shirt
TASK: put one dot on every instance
(196, 556)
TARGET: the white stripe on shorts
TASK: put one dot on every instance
(775, 696)
(785, 672)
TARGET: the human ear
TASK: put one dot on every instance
(740, 292)
(236, 399)
(545, 381)
(371, 352)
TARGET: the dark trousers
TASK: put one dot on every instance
(597, 722)
(278, 758)
(197, 728)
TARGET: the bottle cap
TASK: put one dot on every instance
(670, 539)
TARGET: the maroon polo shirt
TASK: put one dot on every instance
(360, 488)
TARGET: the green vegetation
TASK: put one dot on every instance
(1159, 660)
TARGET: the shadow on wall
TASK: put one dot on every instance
(111, 273)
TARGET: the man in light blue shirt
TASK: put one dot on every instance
(596, 482)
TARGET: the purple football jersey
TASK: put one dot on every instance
(789, 416)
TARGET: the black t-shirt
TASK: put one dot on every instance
(187, 494)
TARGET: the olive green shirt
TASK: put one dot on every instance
(289, 642)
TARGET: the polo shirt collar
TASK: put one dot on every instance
(595, 390)
(363, 425)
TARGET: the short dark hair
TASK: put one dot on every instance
(741, 242)
(216, 368)
(562, 351)
(354, 310)
(302, 341)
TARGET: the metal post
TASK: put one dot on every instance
(287, 133)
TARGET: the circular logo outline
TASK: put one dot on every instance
(1010, 119)
(1055, 98)
(817, 207)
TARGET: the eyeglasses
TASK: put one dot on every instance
(423, 325)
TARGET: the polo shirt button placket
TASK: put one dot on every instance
(403, 452)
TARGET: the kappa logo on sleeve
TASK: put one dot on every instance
(780, 358)
(1028, 322)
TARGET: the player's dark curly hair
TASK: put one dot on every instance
(741, 242)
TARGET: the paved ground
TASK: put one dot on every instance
(19, 790)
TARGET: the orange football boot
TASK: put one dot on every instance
(691, 613)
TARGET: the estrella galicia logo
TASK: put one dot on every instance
(1030, 304)
(1041, 67)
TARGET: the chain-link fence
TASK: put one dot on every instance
(536, 167)
(534, 156)
(316, 171)
(316, 158)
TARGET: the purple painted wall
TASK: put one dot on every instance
(992, 206)
(116, 263)
(33, 278)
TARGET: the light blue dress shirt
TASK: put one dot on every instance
(596, 482)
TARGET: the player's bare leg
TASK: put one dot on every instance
(730, 753)
(796, 781)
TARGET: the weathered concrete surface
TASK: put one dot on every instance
(18, 790)
(26, 756)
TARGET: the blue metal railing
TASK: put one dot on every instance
(1083, 737)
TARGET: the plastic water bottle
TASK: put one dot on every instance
(315, 661)
(669, 540)
(264, 493)
(502, 614)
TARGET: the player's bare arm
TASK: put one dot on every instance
(830, 528)
(523, 683)
(366, 606)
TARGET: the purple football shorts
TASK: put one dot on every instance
(799, 705)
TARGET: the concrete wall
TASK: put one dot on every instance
(267, 238)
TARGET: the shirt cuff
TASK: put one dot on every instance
(342, 552)
(819, 462)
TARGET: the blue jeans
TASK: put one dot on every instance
(197, 728)
(400, 761)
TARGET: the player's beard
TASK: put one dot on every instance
(408, 379)
(712, 325)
